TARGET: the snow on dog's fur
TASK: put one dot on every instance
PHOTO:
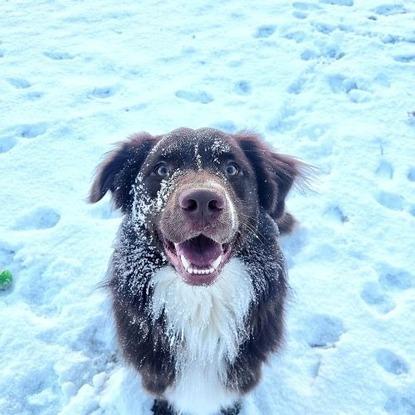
(208, 324)
(197, 276)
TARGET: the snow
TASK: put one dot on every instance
(329, 81)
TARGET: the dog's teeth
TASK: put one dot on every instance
(185, 262)
(216, 262)
(200, 271)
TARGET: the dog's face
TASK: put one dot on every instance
(208, 201)
(198, 193)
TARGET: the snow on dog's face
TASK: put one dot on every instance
(197, 192)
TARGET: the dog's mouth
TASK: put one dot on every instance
(198, 260)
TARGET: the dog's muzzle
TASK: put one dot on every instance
(198, 225)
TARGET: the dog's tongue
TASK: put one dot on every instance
(200, 251)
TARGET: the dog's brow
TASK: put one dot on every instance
(226, 155)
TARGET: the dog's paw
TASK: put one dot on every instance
(161, 407)
(233, 410)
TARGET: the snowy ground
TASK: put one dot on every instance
(330, 81)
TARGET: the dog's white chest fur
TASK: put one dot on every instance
(206, 325)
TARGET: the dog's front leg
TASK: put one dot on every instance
(233, 410)
(161, 407)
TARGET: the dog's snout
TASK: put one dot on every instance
(201, 204)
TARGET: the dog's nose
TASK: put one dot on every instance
(201, 204)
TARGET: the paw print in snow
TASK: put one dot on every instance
(323, 330)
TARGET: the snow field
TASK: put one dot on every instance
(329, 81)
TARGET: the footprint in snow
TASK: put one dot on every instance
(34, 95)
(302, 5)
(373, 295)
(328, 51)
(411, 174)
(340, 83)
(336, 214)
(6, 144)
(331, 52)
(391, 362)
(405, 58)
(19, 83)
(6, 254)
(265, 31)
(323, 330)
(309, 54)
(297, 36)
(297, 86)
(390, 200)
(389, 9)
(391, 39)
(242, 88)
(31, 130)
(194, 96)
(400, 405)
(293, 244)
(391, 278)
(338, 2)
(323, 27)
(102, 92)
(38, 218)
(385, 170)
(300, 15)
(104, 211)
(58, 55)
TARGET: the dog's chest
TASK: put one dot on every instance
(205, 326)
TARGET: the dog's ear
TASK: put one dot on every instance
(276, 173)
(119, 170)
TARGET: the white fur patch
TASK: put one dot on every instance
(206, 325)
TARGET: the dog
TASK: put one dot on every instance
(197, 277)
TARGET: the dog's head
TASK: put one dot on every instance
(198, 192)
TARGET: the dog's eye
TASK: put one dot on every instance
(232, 169)
(161, 170)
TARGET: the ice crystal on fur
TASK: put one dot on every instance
(143, 204)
